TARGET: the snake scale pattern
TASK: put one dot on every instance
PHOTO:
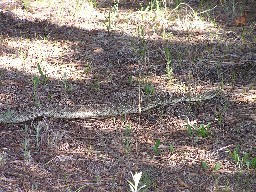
(93, 111)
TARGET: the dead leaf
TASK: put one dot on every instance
(242, 20)
(98, 50)
(182, 184)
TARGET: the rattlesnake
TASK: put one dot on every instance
(97, 110)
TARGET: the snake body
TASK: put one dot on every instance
(97, 110)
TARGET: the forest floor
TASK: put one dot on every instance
(70, 53)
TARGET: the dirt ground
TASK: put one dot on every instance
(66, 53)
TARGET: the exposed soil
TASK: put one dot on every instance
(85, 60)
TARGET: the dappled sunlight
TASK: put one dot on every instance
(246, 95)
(91, 91)
(48, 54)
(194, 24)
(190, 20)
(60, 11)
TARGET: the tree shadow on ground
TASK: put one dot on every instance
(68, 158)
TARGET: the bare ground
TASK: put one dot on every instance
(85, 63)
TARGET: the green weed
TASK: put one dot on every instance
(154, 5)
(217, 167)
(171, 148)
(242, 160)
(23, 54)
(169, 69)
(66, 84)
(234, 155)
(202, 130)
(220, 114)
(190, 130)
(46, 34)
(96, 84)
(149, 89)
(130, 80)
(87, 69)
(36, 82)
(43, 76)
(204, 165)
(127, 138)
(198, 131)
(111, 17)
(142, 49)
(108, 22)
(156, 149)
(253, 163)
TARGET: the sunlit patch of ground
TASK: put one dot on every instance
(98, 55)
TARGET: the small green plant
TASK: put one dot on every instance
(190, 130)
(43, 76)
(127, 138)
(87, 69)
(217, 167)
(156, 147)
(112, 14)
(128, 130)
(235, 155)
(253, 163)
(134, 186)
(201, 130)
(204, 165)
(233, 78)
(142, 48)
(169, 70)
(149, 89)
(245, 160)
(66, 84)
(108, 22)
(171, 148)
(242, 160)
(23, 54)
(220, 114)
(115, 7)
(46, 34)
(36, 82)
(130, 79)
(96, 84)
(155, 5)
